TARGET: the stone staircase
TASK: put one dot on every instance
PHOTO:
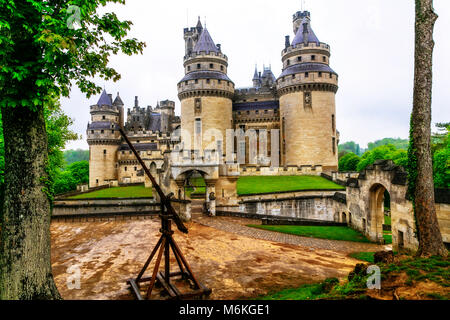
(197, 207)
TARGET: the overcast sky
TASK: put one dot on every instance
(372, 50)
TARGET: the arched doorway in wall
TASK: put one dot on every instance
(378, 226)
(195, 190)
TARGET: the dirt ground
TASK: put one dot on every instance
(233, 266)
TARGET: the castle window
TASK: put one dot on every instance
(334, 145)
(256, 100)
(196, 81)
(104, 151)
(248, 112)
(324, 59)
(92, 131)
(265, 111)
(313, 57)
(288, 62)
(307, 102)
(189, 68)
(103, 117)
(211, 66)
(239, 113)
(299, 59)
(208, 81)
(219, 81)
(135, 168)
(125, 168)
(257, 111)
(320, 74)
(186, 83)
(331, 75)
(123, 152)
(333, 123)
(102, 131)
(199, 65)
(112, 131)
(221, 68)
(306, 74)
(96, 181)
(293, 76)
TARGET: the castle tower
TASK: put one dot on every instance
(104, 139)
(191, 37)
(206, 96)
(167, 111)
(307, 89)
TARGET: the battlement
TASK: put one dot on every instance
(147, 134)
(105, 108)
(205, 55)
(303, 46)
(254, 170)
(301, 15)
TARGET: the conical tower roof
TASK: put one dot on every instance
(305, 27)
(206, 43)
(118, 101)
(256, 75)
(104, 100)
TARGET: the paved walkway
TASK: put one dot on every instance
(238, 226)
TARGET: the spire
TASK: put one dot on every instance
(255, 76)
(118, 101)
(305, 34)
(206, 43)
(104, 100)
(199, 25)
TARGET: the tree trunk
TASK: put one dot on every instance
(25, 264)
(430, 238)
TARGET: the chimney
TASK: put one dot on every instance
(305, 33)
(287, 42)
(110, 97)
(136, 101)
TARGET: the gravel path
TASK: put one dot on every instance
(238, 226)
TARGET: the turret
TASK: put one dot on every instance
(103, 137)
(307, 89)
(206, 95)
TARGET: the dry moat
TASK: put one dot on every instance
(234, 266)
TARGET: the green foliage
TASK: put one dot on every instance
(71, 156)
(397, 143)
(270, 184)
(441, 156)
(349, 162)
(364, 256)
(387, 152)
(331, 233)
(42, 52)
(350, 146)
(75, 174)
(119, 192)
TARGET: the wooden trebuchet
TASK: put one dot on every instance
(165, 244)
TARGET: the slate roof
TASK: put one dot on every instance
(205, 43)
(307, 67)
(140, 147)
(299, 36)
(118, 101)
(104, 100)
(206, 75)
(257, 105)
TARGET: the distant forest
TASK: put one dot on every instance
(352, 146)
(72, 156)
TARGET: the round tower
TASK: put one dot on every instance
(104, 139)
(206, 96)
(307, 89)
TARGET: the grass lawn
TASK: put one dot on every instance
(119, 192)
(331, 233)
(364, 256)
(269, 184)
(387, 220)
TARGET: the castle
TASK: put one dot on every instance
(293, 118)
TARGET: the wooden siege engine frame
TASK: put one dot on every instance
(165, 244)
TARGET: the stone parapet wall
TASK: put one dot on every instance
(250, 170)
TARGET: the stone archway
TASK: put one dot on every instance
(376, 206)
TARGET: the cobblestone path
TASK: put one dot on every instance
(239, 226)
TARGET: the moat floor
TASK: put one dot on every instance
(233, 265)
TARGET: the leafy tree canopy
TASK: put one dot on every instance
(75, 174)
(398, 143)
(349, 162)
(41, 50)
(388, 152)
